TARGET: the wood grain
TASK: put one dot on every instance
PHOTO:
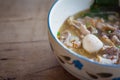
(55, 73)
(23, 20)
(25, 53)
(25, 58)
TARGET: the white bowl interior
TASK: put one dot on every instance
(62, 9)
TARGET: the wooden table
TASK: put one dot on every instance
(25, 53)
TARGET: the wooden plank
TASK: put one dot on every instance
(23, 20)
(30, 61)
(55, 73)
(19, 59)
(16, 31)
(20, 8)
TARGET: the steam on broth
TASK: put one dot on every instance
(93, 36)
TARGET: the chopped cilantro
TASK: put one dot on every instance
(88, 24)
(118, 46)
(58, 33)
(96, 34)
(109, 31)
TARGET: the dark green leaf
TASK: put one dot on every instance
(105, 5)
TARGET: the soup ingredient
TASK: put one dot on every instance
(117, 33)
(107, 61)
(111, 52)
(110, 55)
(96, 37)
(79, 25)
(107, 41)
(70, 40)
(91, 43)
(116, 40)
(104, 8)
(105, 27)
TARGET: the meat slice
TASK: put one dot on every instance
(79, 25)
(70, 40)
(105, 27)
(111, 53)
(106, 40)
(115, 40)
(117, 33)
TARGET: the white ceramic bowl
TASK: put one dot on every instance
(77, 65)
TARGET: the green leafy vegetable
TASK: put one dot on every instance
(88, 24)
(109, 31)
(58, 33)
(118, 46)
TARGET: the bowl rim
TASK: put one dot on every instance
(70, 51)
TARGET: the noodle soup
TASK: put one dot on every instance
(93, 36)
